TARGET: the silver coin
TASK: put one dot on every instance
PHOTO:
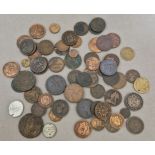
(49, 130)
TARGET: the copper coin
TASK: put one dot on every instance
(90, 54)
(60, 46)
(115, 39)
(78, 43)
(34, 55)
(11, 69)
(97, 124)
(132, 75)
(53, 117)
(45, 100)
(37, 31)
(73, 53)
(113, 57)
(92, 45)
(54, 28)
(74, 93)
(92, 63)
(21, 38)
(82, 129)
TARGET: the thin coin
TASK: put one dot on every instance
(97, 124)
(25, 63)
(49, 130)
(142, 85)
(54, 28)
(53, 117)
(113, 57)
(125, 112)
(34, 55)
(92, 45)
(73, 53)
(92, 63)
(60, 46)
(132, 75)
(72, 76)
(90, 54)
(78, 43)
(21, 38)
(11, 69)
(110, 128)
(82, 129)
(127, 53)
(16, 108)
(115, 39)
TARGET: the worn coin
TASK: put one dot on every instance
(78, 43)
(73, 53)
(125, 112)
(92, 45)
(135, 125)
(16, 108)
(55, 84)
(115, 39)
(60, 46)
(34, 55)
(21, 38)
(113, 57)
(127, 53)
(53, 117)
(92, 107)
(90, 54)
(97, 124)
(92, 63)
(132, 75)
(72, 76)
(30, 126)
(49, 130)
(54, 28)
(11, 69)
(56, 64)
(24, 81)
(109, 127)
(25, 63)
(74, 93)
(82, 129)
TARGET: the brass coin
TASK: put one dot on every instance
(92, 45)
(97, 124)
(54, 28)
(82, 129)
(142, 85)
(127, 53)
(25, 63)
(60, 46)
(73, 53)
(74, 93)
(11, 69)
(53, 117)
(92, 63)
(78, 43)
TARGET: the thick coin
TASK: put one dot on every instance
(16, 108)
(125, 112)
(60, 108)
(127, 53)
(24, 81)
(90, 54)
(21, 38)
(54, 28)
(92, 63)
(49, 130)
(56, 64)
(132, 75)
(135, 125)
(30, 126)
(113, 57)
(83, 108)
(11, 69)
(74, 93)
(92, 45)
(133, 101)
(115, 39)
(53, 117)
(73, 53)
(141, 85)
(82, 129)
(110, 128)
(72, 76)
(97, 124)
(78, 43)
(60, 46)
(25, 63)
(55, 84)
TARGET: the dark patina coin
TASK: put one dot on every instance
(98, 91)
(72, 76)
(133, 101)
(132, 75)
(113, 97)
(83, 108)
(30, 126)
(134, 125)
(32, 95)
(115, 39)
(24, 81)
(81, 28)
(113, 57)
(60, 108)
(109, 127)
(90, 54)
(39, 65)
(92, 107)
(125, 112)
(55, 84)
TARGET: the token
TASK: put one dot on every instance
(97, 124)
(25, 63)
(92, 63)
(73, 53)
(132, 75)
(30, 126)
(21, 38)
(83, 108)
(53, 117)
(37, 31)
(49, 130)
(16, 108)
(133, 101)
(127, 53)
(82, 129)
(141, 85)
(24, 81)
(72, 76)
(54, 28)
(113, 97)
(60, 46)
(55, 84)
(135, 125)
(110, 128)
(56, 64)
(115, 39)
(90, 54)
(113, 57)
(92, 45)
(78, 43)
(125, 112)
(34, 55)
(11, 69)
(74, 93)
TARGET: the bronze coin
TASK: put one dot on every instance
(92, 45)
(53, 117)
(132, 75)
(73, 53)
(21, 38)
(82, 129)
(37, 31)
(60, 46)
(97, 124)
(11, 69)
(90, 54)
(115, 39)
(92, 63)
(54, 28)
(30, 126)
(113, 57)
(78, 43)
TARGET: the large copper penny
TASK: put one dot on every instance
(97, 124)
(53, 117)
(115, 39)
(92, 45)
(92, 63)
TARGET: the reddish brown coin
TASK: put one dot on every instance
(92, 63)
(115, 39)
(73, 53)
(53, 117)
(92, 45)
(78, 43)
(34, 55)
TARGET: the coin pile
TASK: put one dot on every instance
(95, 115)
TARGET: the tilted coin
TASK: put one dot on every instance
(78, 43)
(135, 125)
(110, 128)
(83, 108)
(127, 53)
(25, 63)
(97, 124)
(53, 117)
(115, 39)
(74, 93)
(60, 108)
(113, 57)
(37, 31)
(55, 84)
(24, 81)
(34, 55)
(54, 28)
(30, 126)
(125, 112)
(132, 75)
(82, 129)
(16, 108)
(32, 95)
(49, 130)
(72, 76)
(92, 63)
(56, 64)
(92, 45)
(73, 53)
(113, 97)
(133, 101)
(21, 38)
(11, 69)
(90, 54)
(60, 46)
(141, 85)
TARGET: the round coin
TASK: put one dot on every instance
(54, 28)
(125, 112)
(21, 38)
(90, 54)
(72, 76)
(97, 124)
(49, 130)
(113, 57)
(92, 107)
(92, 45)
(34, 55)
(115, 39)
(25, 63)
(127, 53)
(110, 128)
(73, 53)
(132, 75)
(92, 63)
(53, 117)
(60, 46)
(78, 43)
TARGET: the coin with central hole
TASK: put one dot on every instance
(49, 130)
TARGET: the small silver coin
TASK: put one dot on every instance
(49, 130)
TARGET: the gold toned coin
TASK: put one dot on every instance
(53, 117)
(141, 85)
(11, 69)
(73, 53)
(54, 28)
(92, 45)
(34, 55)
(25, 63)
(116, 121)
(127, 53)
(97, 124)
(78, 43)
(92, 63)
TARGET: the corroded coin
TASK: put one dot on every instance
(37, 31)
(56, 64)
(21, 38)
(54, 28)
(133, 101)
(49, 130)
(115, 39)
(55, 84)
(92, 107)
(30, 126)
(60, 46)
(92, 63)
(32, 95)
(34, 55)
(90, 54)
(109, 127)
(53, 117)
(24, 81)
(78, 43)
(97, 124)
(73, 53)
(113, 57)
(141, 85)
(113, 97)
(72, 76)
(11, 69)
(125, 112)
(135, 125)
(132, 75)
(25, 63)
(82, 129)
(74, 93)
(92, 45)
(127, 53)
